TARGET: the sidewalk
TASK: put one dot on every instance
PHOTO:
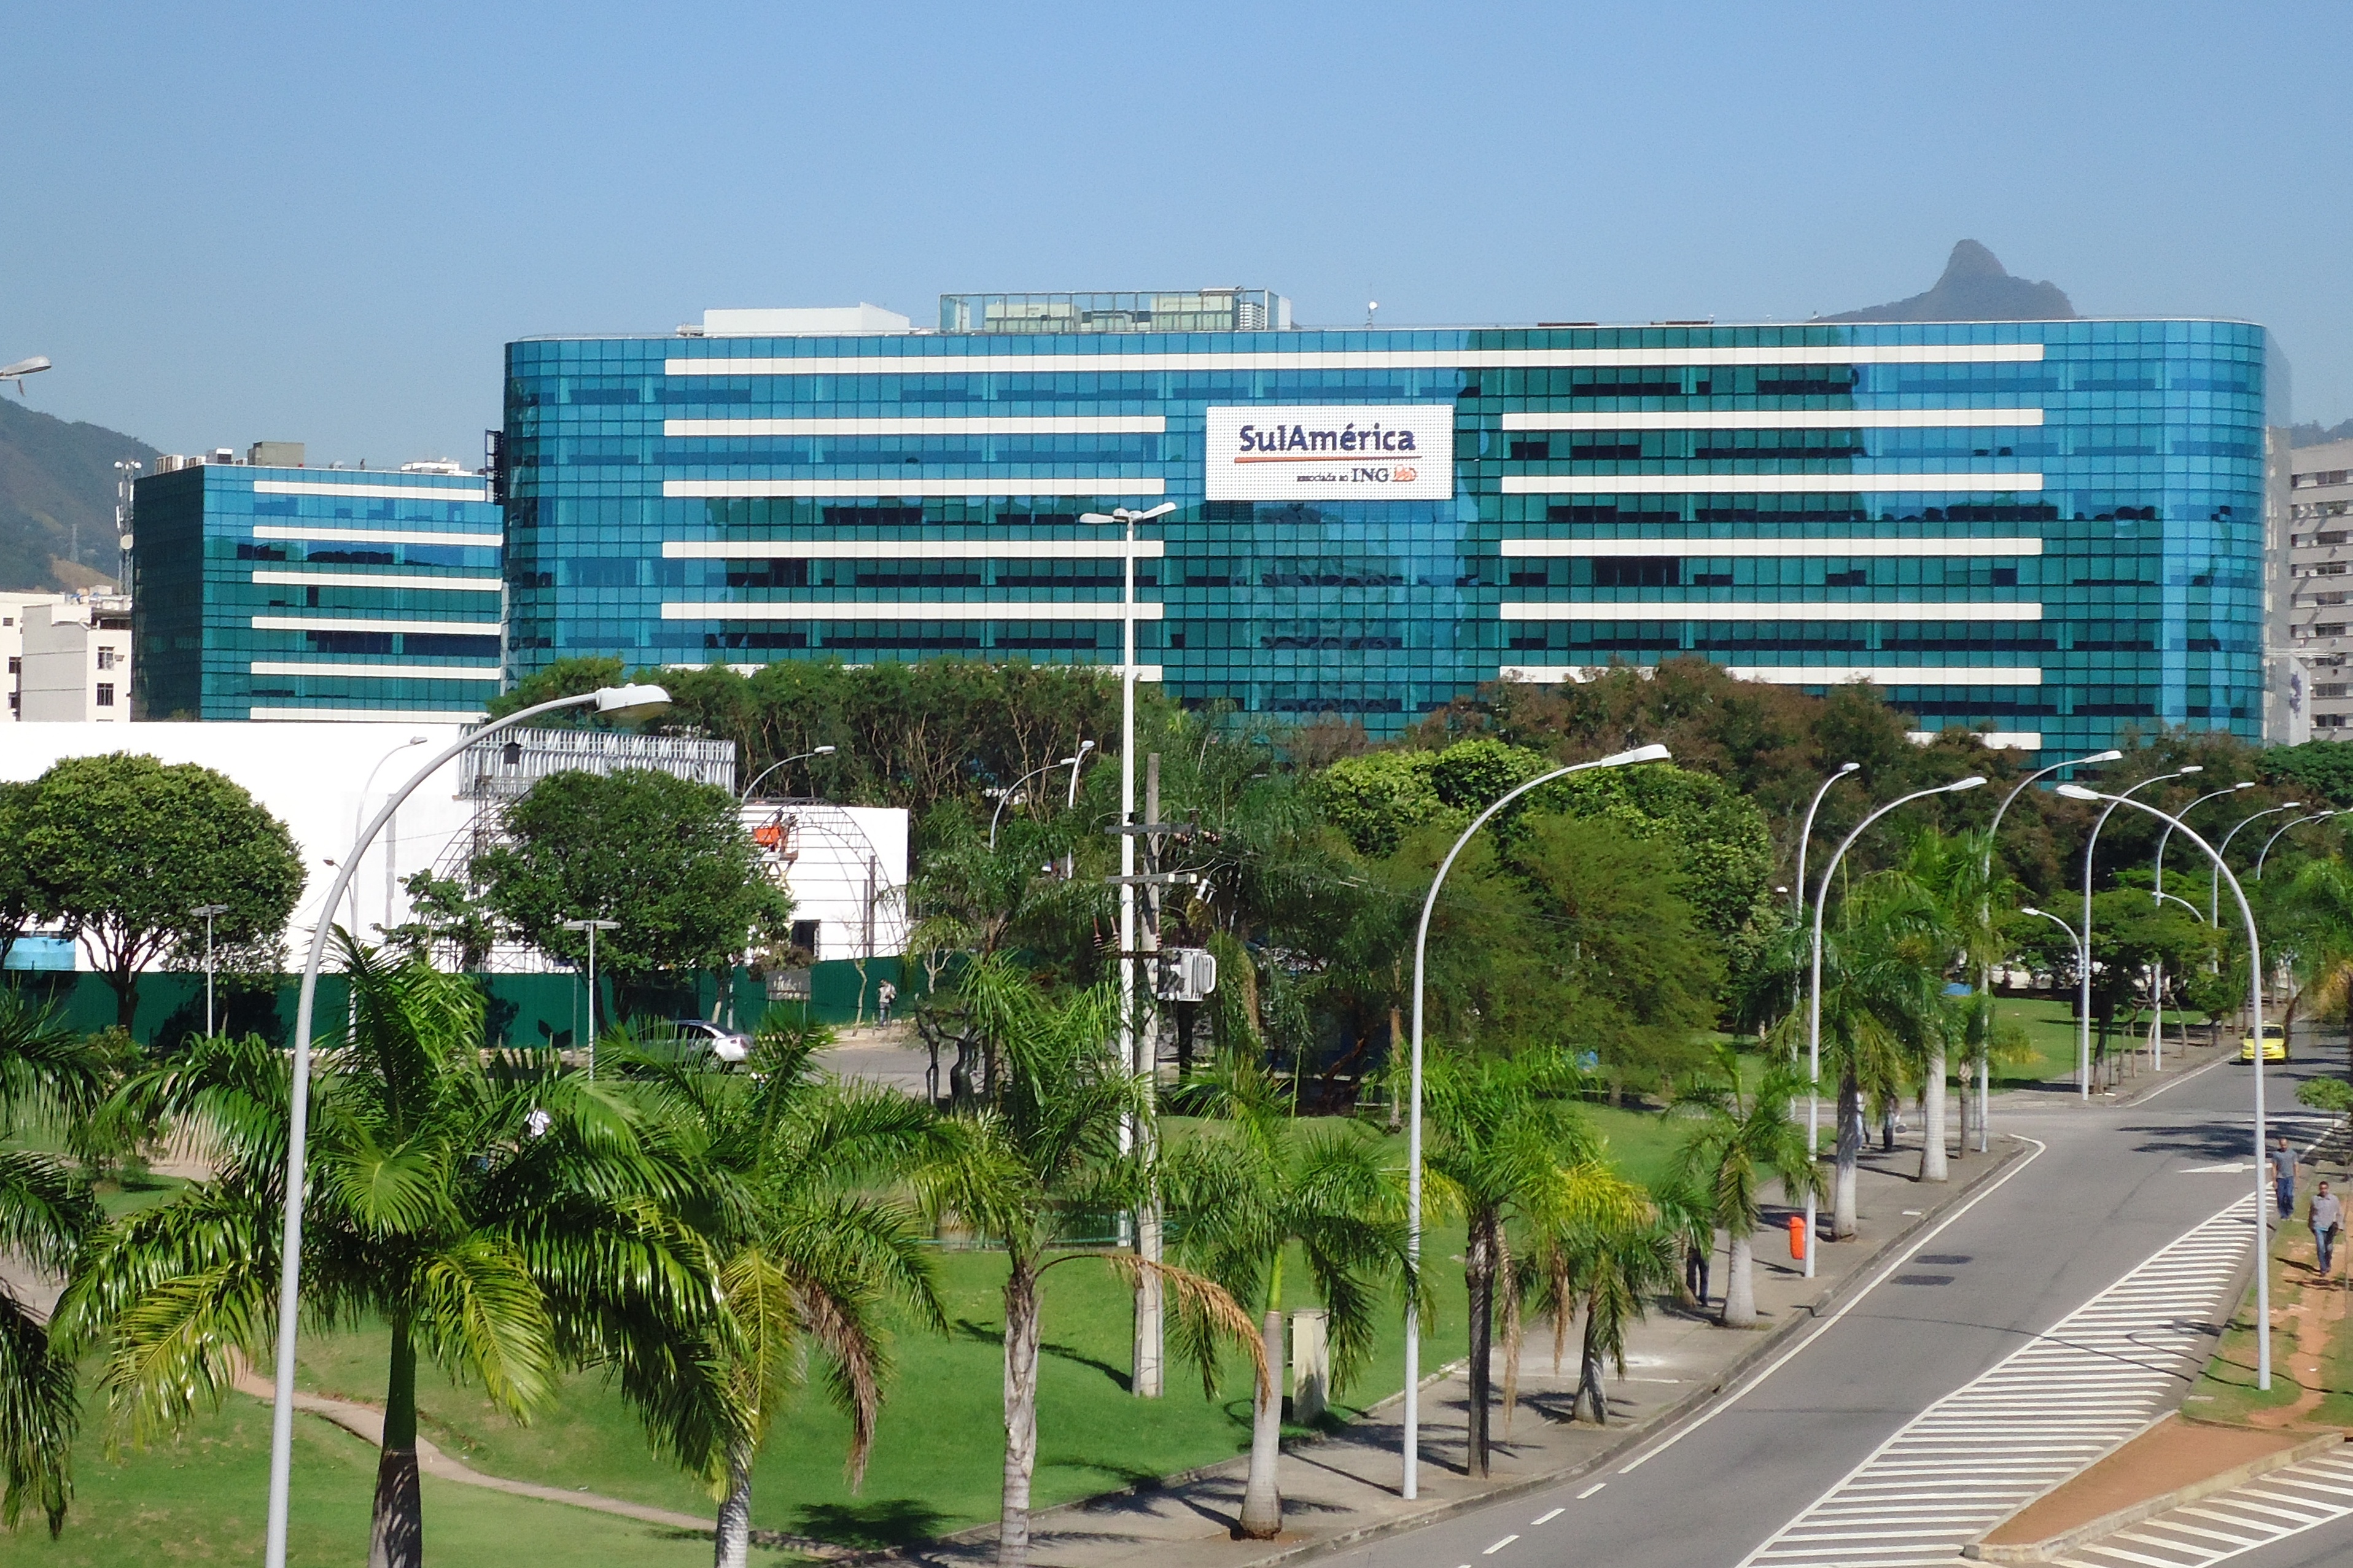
(1342, 1489)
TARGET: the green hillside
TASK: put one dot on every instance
(54, 476)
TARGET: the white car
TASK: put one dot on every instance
(729, 1046)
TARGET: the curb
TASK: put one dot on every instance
(2057, 1546)
(1798, 1319)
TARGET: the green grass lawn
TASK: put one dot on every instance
(2051, 1030)
(204, 1501)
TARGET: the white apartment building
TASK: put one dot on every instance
(2320, 583)
(14, 609)
(75, 667)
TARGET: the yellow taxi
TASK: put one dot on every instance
(2274, 1044)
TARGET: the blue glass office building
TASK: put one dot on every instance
(296, 592)
(2045, 529)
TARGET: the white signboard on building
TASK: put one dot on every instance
(1372, 452)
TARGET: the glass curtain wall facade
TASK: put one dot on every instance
(2048, 530)
(267, 593)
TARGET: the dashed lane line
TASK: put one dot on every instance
(2037, 1416)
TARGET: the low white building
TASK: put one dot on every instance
(846, 869)
(15, 607)
(75, 663)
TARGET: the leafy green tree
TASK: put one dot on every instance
(1018, 1165)
(123, 847)
(16, 887)
(2320, 907)
(1505, 1144)
(1247, 1189)
(808, 1250)
(502, 1227)
(667, 858)
(1742, 1140)
(47, 1215)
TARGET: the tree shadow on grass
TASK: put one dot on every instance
(878, 1522)
(990, 1335)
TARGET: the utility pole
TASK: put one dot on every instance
(1151, 1310)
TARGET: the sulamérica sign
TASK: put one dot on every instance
(1376, 452)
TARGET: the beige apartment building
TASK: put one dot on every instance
(71, 661)
(2319, 607)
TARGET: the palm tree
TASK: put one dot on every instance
(1740, 1142)
(1605, 1262)
(806, 1252)
(1252, 1188)
(2318, 906)
(1504, 1143)
(1019, 1166)
(47, 1218)
(1954, 871)
(500, 1226)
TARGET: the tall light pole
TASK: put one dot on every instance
(2157, 969)
(1814, 996)
(1985, 913)
(616, 701)
(2299, 822)
(2214, 890)
(772, 767)
(1147, 1284)
(1806, 833)
(1653, 753)
(359, 807)
(2256, 1010)
(209, 912)
(592, 927)
(2083, 993)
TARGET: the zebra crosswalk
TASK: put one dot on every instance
(1976, 1455)
(2270, 1507)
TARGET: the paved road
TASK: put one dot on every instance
(2108, 1190)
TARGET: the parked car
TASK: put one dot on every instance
(2274, 1044)
(726, 1044)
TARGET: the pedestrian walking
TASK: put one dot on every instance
(2326, 1217)
(2284, 1179)
(884, 996)
(1695, 1262)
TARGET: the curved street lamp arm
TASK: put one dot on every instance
(2185, 903)
(1012, 790)
(2162, 839)
(2274, 838)
(281, 1420)
(2084, 979)
(1806, 833)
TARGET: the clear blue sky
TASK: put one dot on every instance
(319, 222)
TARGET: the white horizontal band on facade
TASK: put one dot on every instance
(1698, 610)
(1702, 547)
(368, 493)
(352, 624)
(325, 534)
(379, 672)
(908, 548)
(365, 580)
(1357, 359)
(910, 489)
(1149, 674)
(1810, 674)
(980, 424)
(1764, 484)
(371, 715)
(863, 610)
(1783, 419)
(1991, 739)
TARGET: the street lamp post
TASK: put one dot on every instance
(1147, 1289)
(617, 701)
(772, 767)
(1806, 833)
(2255, 1008)
(2299, 822)
(1814, 996)
(2214, 885)
(1005, 797)
(209, 912)
(592, 927)
(1653, 753)
(2164, 836)
(1985, 913)
(359, 809)
(2084, 979)
(2157, 969)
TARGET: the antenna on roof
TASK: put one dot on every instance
(1370, 305)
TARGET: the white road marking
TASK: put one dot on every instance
(1499, 1546)
(2043, 1413)
(1786, 1357)
(2268, 1508)
(2240, 1169)
(1590, 1490)
(1548, 1519)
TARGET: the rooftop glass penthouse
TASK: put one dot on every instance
(2047, 529)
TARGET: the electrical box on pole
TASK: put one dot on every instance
(1187, 974)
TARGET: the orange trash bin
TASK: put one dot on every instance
(1796, 1238)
